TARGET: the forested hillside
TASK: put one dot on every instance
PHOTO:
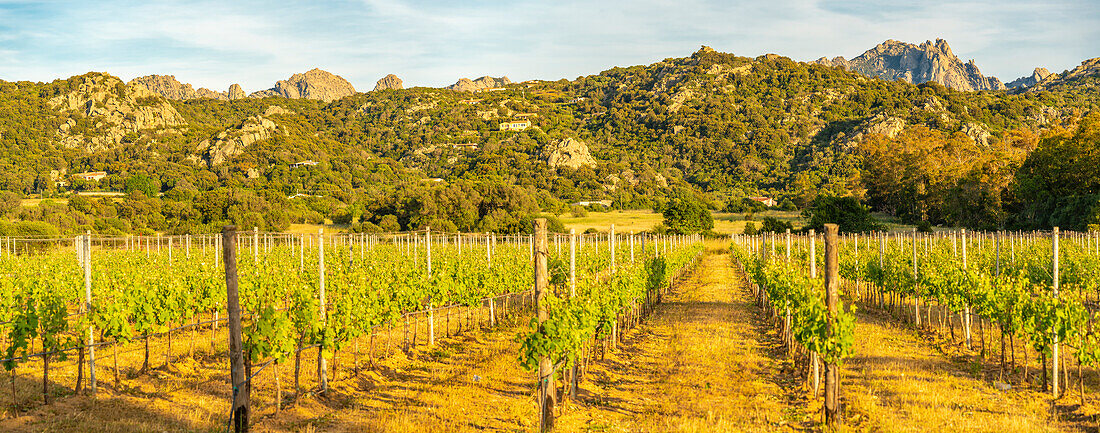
(723, 126)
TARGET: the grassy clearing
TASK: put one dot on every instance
(643, 219)
(34, 202)
(312, 228)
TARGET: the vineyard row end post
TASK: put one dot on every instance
(832, 281)
(547, 398)
(240, 404)
(87, 247)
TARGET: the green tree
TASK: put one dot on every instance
(1059, 183)
(846, 212)
(144, 184)
(686, 214)
(774, 225)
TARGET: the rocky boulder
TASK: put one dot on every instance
(894, 60)
(977, 132)
(878, 124)
(389, 82)
(233, 141)
(315, 84)
(276, 110)
(884, 125)
(486, 82)
(568, 152)
(115, 110)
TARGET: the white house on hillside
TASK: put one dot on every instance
(515, 125)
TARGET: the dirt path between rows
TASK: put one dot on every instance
(699, 363)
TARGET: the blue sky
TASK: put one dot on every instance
(433, 43)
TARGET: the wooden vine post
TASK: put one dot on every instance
(547, 398)
(966, 308)
(322, 363)
(572, 294)
(816, 360)
(87, 247)
(832, 281)
(241, 390)
(1054, 346)
(431, 302)
(916, 296)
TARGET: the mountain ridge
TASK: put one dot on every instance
(724, 125)
(929, 61)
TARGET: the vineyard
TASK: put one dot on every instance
(1022, 303)
(86, 313)
(541, 328)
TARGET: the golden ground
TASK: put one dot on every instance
(643, 220)
(895, 382)
(705, 360)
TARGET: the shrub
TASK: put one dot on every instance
(774, 225)
(845, 212)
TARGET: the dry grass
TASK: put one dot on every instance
(34, 202)
(312, 228)
(643, 220)
(419, 389)
(896, 382)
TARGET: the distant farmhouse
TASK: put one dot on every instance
(464, 146)
(303, 164)
(95, 176)
(766, 201)
(515, 125)
(587, 203)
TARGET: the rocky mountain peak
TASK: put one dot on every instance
(486, 82)
(703, 49)
(1039, 74)
(169, 87)
(1089, 67)
(235, 92)
(389, 82)
(313, 84)
(114, 109)
(929, 61)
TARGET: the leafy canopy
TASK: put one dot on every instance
(687, 214)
